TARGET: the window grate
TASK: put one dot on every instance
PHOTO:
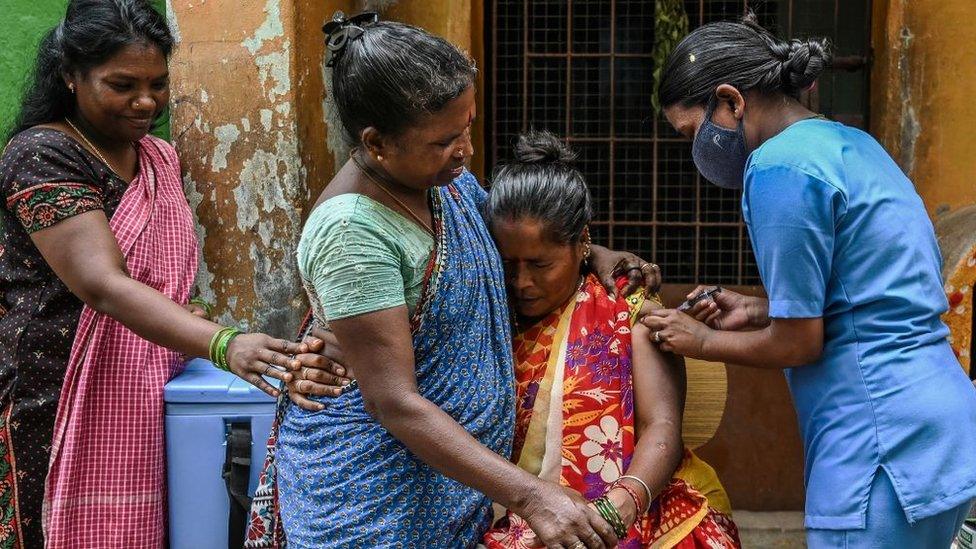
(582, 69)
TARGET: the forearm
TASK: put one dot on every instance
(759, 349)
(437, 439)
(758, 310)
(657, 454)
(85, 255)
(168, 324)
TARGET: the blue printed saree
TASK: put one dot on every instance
(337, 478)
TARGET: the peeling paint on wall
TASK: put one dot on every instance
(204, 279)
(378, 5)
(226, 136)
(171, 20)
(269, 30)
(250, 196)
(275, 67)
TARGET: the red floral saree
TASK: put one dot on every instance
(575, 425)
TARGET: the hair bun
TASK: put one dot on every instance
(805, 61)
(542, 147)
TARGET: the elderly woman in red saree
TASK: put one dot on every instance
(97, 259)
(597, 410)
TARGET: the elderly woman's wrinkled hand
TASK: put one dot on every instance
(321, 372)
(563, 518)
(676, 332)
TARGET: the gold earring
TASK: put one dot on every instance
(586, 244)
(379, 158)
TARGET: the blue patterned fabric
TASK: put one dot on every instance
(344, 481)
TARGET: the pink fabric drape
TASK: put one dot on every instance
(106, 487)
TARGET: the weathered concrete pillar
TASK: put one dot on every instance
(249, 120)
(921, 108)
(240, 108)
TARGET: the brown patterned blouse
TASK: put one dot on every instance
(45, 177)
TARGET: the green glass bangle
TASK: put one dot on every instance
(611, 515)
(222, 349)
(212, 353)
(601, 506)
(218, 342)
(218, 347)
(222, 352)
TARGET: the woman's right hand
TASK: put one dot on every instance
(251, 356)
(562, 518)
(726, 310)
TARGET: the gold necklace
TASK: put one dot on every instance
(368, 172)
(94, 149)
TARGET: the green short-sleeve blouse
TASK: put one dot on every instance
(358, 256)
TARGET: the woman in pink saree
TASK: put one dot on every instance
(97, 260)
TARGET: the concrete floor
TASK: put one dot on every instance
(770, 530)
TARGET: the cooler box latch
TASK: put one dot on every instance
(236, 473)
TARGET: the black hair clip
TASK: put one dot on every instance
(340, 31)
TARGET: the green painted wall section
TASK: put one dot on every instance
(24, 24)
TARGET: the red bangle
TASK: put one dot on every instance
(633, 495)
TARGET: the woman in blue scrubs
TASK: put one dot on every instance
(849, 261)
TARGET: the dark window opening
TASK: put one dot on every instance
(583, 69)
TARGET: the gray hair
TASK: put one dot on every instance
(542, 184)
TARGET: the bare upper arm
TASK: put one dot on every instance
(659, 380)
(82, 251)
(803, 336)
(378, 346)
(648, 306)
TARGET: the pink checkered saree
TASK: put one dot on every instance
(106, 487)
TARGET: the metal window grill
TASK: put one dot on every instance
(583, 69)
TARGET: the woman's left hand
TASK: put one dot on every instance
(196, 310)
(608, 265)
(676, 332)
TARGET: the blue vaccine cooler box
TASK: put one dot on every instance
(217, 428)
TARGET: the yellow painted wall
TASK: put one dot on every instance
(922, 107)
(922, 110)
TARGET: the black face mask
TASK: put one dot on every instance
(719, 153)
